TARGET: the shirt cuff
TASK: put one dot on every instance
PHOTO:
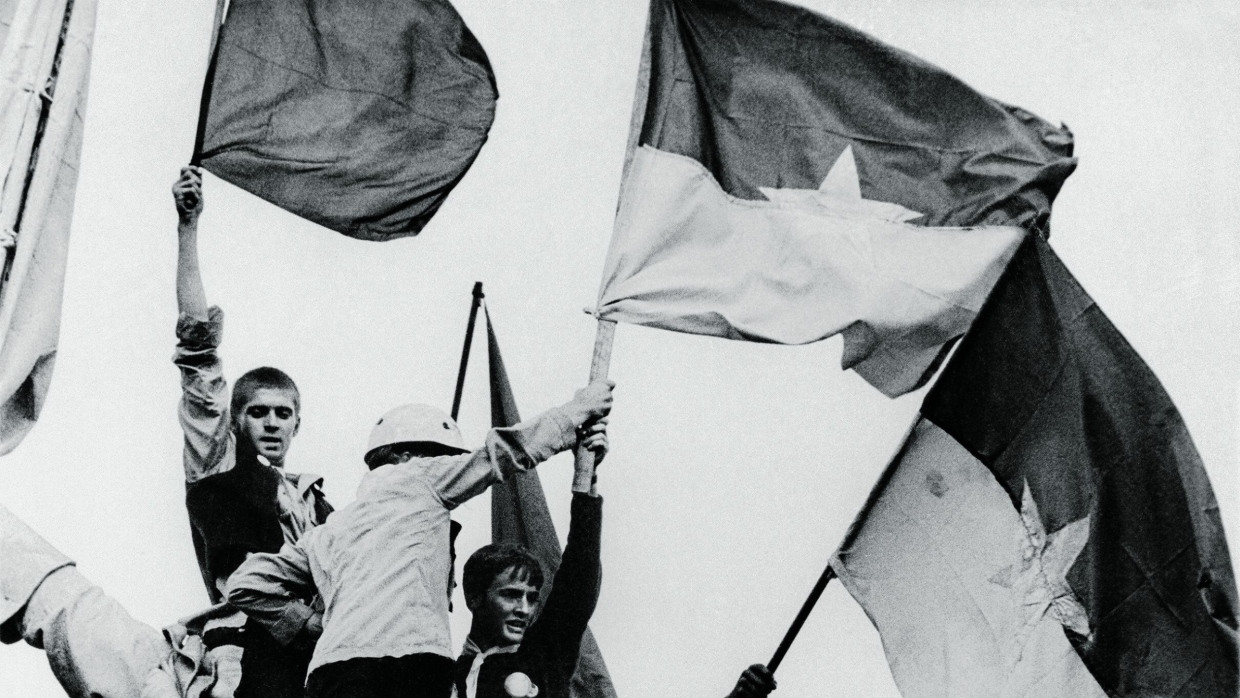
(552, 433)
(196, 332)
(292, 619)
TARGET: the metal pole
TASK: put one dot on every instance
(469, 338)
(827, 575)
(200, 134)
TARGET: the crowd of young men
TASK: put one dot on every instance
(316, 602)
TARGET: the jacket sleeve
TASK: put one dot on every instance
(204, 407)
(557, 633)
(507, 450)
(269, 587)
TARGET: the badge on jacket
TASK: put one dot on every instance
(518, 685)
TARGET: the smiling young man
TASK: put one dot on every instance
(240, 498)
(513, 649)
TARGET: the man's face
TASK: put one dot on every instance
(505, 612)
(269, 420)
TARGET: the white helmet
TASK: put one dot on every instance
(415, 424)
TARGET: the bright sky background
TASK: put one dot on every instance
(736, 468)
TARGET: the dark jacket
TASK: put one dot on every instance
(548, 654)
(237, 512)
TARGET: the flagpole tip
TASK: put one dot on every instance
(478, 289)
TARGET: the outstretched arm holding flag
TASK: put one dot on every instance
(239, 497)
(520, 517)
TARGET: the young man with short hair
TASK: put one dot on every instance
(240, 498)
(382, 564)
(513, 649)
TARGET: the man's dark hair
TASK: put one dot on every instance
(256, 379)
(490, 561)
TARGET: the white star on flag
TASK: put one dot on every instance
(1041, 575)
(840, 192)
(798, 267)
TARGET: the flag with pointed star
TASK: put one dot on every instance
(790, 178)
(360, 116)
(519, 516)
(1047, 528)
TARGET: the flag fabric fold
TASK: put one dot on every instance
(790, 178)
(1051, 484)
(519, 516)
(359, 116)
(45, 49)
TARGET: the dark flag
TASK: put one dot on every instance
(790, 178)
(765, 94)
(519, 516)
(1048, 527)
(360, 116)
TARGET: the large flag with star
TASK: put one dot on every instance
(45, 50)
(519, 516)
(360, 116)
(1047, 528)
(790, 178)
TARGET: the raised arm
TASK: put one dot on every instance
(269, 587)
(203, 411)
(187, 193)
(515, 449)
(561, 624)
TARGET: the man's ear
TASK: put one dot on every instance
(473, 602)
(297, 426)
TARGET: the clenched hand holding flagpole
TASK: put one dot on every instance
(600, 364)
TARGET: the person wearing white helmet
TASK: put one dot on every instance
(382, 564)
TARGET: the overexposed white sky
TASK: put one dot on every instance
(736, 467)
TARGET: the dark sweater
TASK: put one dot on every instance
(235, 513)
(549, 651)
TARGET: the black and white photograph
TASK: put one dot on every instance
(647, 349)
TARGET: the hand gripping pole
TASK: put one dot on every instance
(599, 364)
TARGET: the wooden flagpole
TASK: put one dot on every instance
(196, 158)
(469, 338)
(599, 364)
(827, 575)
